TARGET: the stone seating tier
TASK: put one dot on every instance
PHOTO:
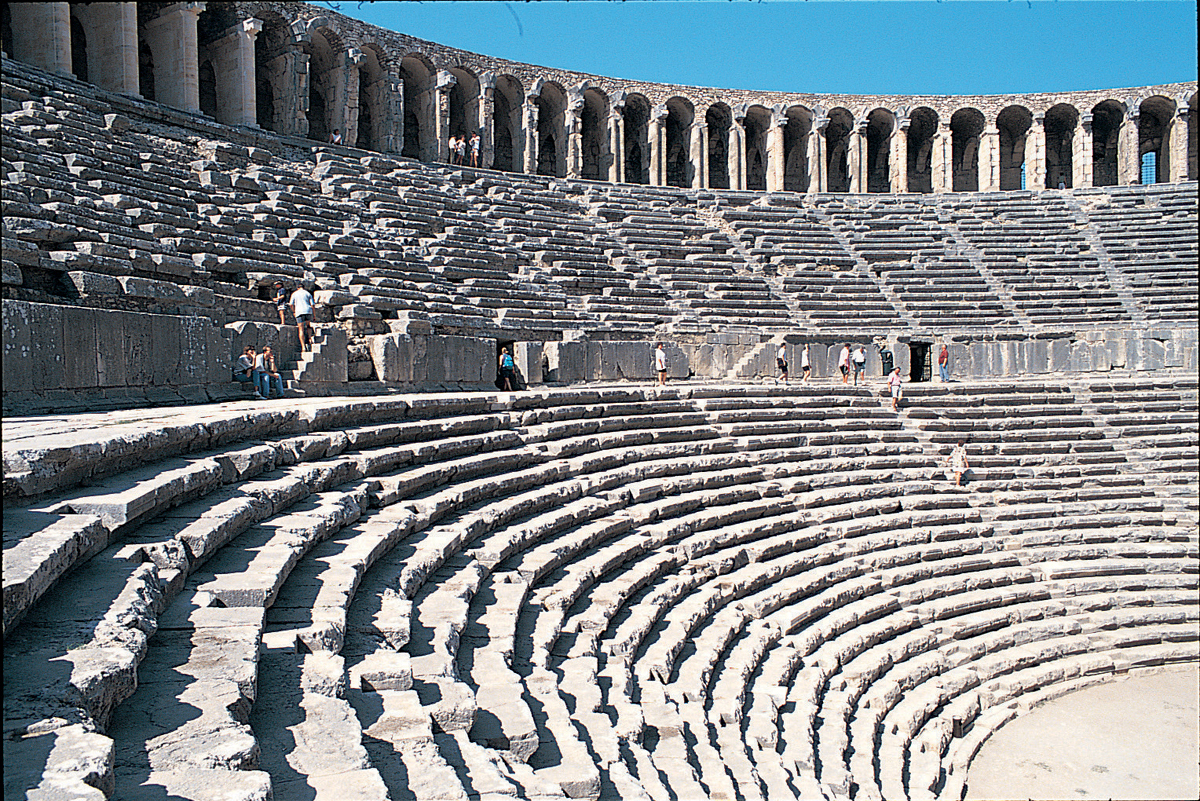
(698, 587)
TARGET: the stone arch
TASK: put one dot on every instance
(881, 123)
(837, 141)
(1193, 123)
(373, 90)
(1155, 117)
(206, 78)
(636, 120)
(796, 130)
(79, 47)
(551, 142)
(922, 127)
(719, 120)
(966, 126)
(1107, 118)
(679, 167)
(323, 47)
(593, 135)
(1012, 125)
(757, 123)
(274, 74)
(417, 77)
(506, 124)
(464, 103)
(1060, 123)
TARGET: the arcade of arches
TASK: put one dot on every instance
(304, 78)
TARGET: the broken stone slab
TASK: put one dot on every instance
(38, 549)
(450, 703)
(204, 784)
(383, 670)
(68, 762)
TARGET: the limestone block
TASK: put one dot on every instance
(17, 348)
(565, 361)
(383, 670)
(1060, 352)
(1037, 358)
(68, 762)
(10, 274)
(166, 349)
(1099, 357)
(528, 358)
(47, 346)
(392, 355)
(901, 358)
(79, 360)
(87, 283)
(1153, 354)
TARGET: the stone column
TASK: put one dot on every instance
(487, 120)
(1035, 153)
(347, 96)
(775, 163)
(233, 63)
(616, 138)
(112, 44)
(392, 108)
(1081, 153)
(529, 129)
(1177, 145)
(940, 162)
(856, 157)
(699, 155)
(1128, 147)
(658, 146)
(737, 151)
(989, 159)
(574, 121)
(818, 179)
(441, 115)
(898, 158)
(41, 35)
(172, 39)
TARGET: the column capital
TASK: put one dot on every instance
(252, 27)
(446, 81)
(487, 80)
(820, 123)
(778, 119)
(660, 112)
(1085, 120)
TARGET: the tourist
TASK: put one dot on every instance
(781, 361)
(266, 374)
(944, 363)
(302, 309)
(958, 462)
(894, 385)
(860, 363)
(844, 363)
(507, 370)
(660, 364)
(281, 301)
(474, 150)
(453, 146)
(460, 150)
(335, 138)
(805, 367)
(244, 372)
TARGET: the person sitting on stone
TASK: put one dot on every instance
(267, 373)
(243, 373)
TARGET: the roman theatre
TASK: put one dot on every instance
(398, 582)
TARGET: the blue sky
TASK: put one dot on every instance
(834, 46)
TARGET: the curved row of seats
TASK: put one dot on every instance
(702, 591)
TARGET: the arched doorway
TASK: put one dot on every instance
(551, 133)
(506, 124)
(1013, 125)
(320, 87)
(1154, 127)
(373, 89)
(678, 156)
(593, 136)
(1059, 124)
(795, 149)
(79, 48)
(922, 125)
(417, 77)
(636, 122)
(880, 124)
(718, 120)
(966, 125)
(837, 141)
(1107, 118)
(464, 104)
(758, 119)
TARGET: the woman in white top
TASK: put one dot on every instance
(804, 366)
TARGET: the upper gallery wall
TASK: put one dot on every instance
(304, 71)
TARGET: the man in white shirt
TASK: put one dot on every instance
(302, 309)
(860, 363)
(660, 364)
(781, 361)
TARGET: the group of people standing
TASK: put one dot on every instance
(261, 369)
(459, 145)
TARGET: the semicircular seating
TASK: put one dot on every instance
(709, 591)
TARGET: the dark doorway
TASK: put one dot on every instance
(920, 368)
